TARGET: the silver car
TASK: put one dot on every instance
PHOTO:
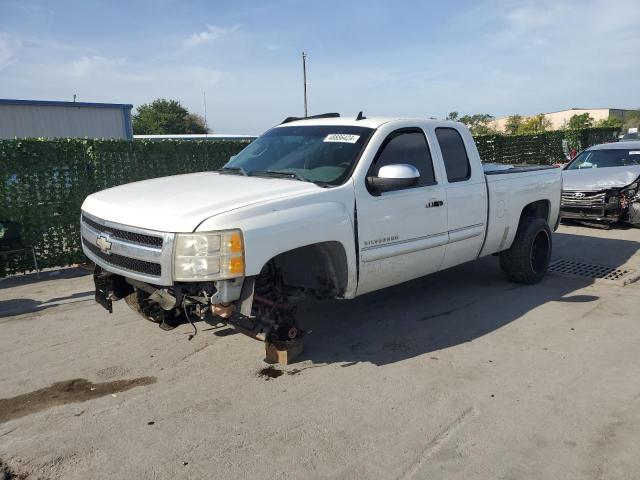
(600, 185)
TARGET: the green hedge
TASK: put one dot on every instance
(540, 149)
(44, 182)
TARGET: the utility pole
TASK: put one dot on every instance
(204, 100)
(304, 79)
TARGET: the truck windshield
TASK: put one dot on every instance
(605, 158)
(320, 154)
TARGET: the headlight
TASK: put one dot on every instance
(208, 256)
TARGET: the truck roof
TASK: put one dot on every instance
(369, 122)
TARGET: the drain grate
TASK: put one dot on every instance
(590, 270)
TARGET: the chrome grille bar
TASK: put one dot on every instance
(141, 254)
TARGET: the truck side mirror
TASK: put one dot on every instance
(393, 177)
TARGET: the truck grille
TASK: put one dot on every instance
(140, 238)
(133, 252)
(131, 264)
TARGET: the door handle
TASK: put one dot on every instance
(435, 203)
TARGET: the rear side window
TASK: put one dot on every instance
(408, 147)
(456, 161)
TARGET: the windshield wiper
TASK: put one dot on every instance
(234, 170)
(280, 173)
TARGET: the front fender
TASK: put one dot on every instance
(273, 232)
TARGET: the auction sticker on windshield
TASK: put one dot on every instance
(341, 137)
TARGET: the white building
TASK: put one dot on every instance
(52, 119)
(561, 118)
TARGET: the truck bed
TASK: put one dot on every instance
(510, 189)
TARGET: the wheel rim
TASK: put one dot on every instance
(540, 251)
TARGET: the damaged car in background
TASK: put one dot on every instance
(600, 186)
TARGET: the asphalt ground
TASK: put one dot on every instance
(457, 375)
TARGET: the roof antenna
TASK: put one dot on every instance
(360, 116)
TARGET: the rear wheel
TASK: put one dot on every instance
(528, 258)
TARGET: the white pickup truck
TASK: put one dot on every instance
(324, 206)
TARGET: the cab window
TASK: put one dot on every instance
(407, 147)
(454, 154)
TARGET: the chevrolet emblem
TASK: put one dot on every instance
(580, 195)
(103, 244)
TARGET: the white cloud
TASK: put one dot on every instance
(50, 46)
(535, 56)
(134, 82)
(500, 57)
(30, 9)
(9, 46)
(94, 64)
(570, 31)
(211, 34)
(105, 79)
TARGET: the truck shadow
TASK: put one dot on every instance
(63, 273)
(446, 309)
(21, 306)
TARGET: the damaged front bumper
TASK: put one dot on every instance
(608, 206)
(110, 287)
(604, 206)
(227, 301)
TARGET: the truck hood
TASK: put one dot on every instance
(180, 203)
(594, 179)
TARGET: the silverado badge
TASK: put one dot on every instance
(103, 244)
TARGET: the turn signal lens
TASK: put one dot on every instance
(234, 266)
(232, 242)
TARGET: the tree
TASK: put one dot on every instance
(631, 120)
(536, 124)
(479, 124)
(453, 116)
(611, 122)
(513, 124)
(583, 120)
(196, 124)
(165, 117)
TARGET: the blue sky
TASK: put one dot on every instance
(400, 58)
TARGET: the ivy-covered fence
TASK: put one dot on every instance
(539, 149)
(43, 182)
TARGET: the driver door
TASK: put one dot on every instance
(402, 233)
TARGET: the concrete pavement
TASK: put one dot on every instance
(456, 375)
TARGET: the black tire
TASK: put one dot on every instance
(528, 258)
(135, 300)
